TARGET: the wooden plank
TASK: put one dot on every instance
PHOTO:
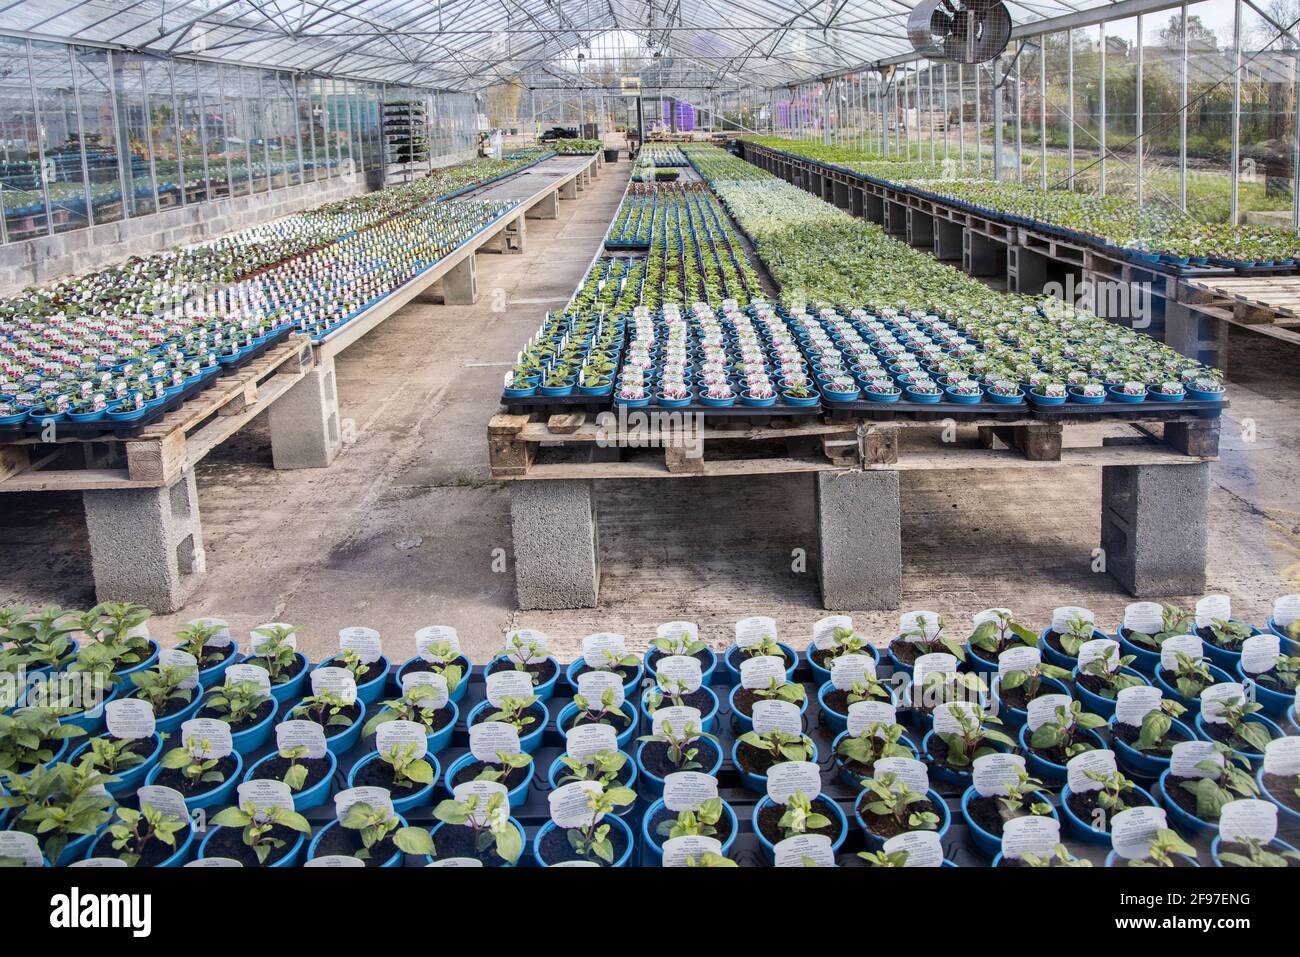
(156, 461)
(508, 454)
(69, 480)
(207, 438)
(565, 423)
(13, 460)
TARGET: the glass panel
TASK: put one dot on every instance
(133, 120)
(1209, 113)
(60, 136)
(1087, 109)
(1162, 83)
(99, 138)
(215, 131)
(193, 161)
(1056, 105)
(1029, 127)
(255, 116)
(20, 174)
(1267, 133)
(236, 129)
(164, 132)
(306, 141)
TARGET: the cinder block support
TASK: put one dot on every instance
(146, 544)
(460, 285)
(920, 229)
(515, 236)
(982, 256)
(547, 208)
(859, 540)
(874, 207)
(947, 240)
(1026, 270)
(305, 421)
(569, 190)
(841, 192)
(856, 205)
(1154, 527)
(557, 547)
(1195, 335)
(895, 219)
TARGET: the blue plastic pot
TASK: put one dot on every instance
(615, 823)
(523, 841)
(122, 679)
(851, 779)
(1180, 819)
(927, 397)
(310, 797)
(743, 723)
(986, 842)
(250, 739)
(455, 694)
(1287, 642)
(129, 780)
(706, 719)
(77, 848)
(417, 798)
(529, 742)
(1076, 395)
(1048, 771)
(517, 795)
(758, 782)
(1224, 657)
(706, 668)
(1144, 659)
(653, 785)
(875, 842)
(997, 861)
(623, 737)
(1292, 721)
(542, 691)
(1139, 764)
(653, 845)
(1170, 690)
(1254, 757)
(1275, 845)
(834, 721)
(394, 861)
(438, 741)
(1118, 396)
(1054, 657)
(1114, 860)
(178, 858)
(962, 399)
(217, 795)
(906, 667)
(1081, 830)
(288, 859)
(1286, 813)
(216, 674)
(629, 687)
(941, 772)
(556, 770)
(373, 689)
(769, 849)
(822, 675)
(789, 653)
(60, 751)
(1105, 707)
(1275, 704)
(91, 720)
(172, 723)
(1014, 718)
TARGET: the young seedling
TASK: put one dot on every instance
(1283, 676)
(602, 766)
(41, 640)
(674, 689)
(1164, 847)
(526, 651)
(134, 830)
(274, 652)
(702, 822)
(710, 859)
(190, 761)
(27, 736)
(58, 804)
(973, 739)
(492, 828)
(1257, 855)
(1059, 857)
(237, 702)
(162, 684)
(942, 687)
(1114, 788)
(779, 745)
(866, 689)
(296, 774)
(415, 704)
(995, 635)
(409, 771)
(1244, 735)
(259, 824)
(505, 763)
(877, 740)
(766, 645)
(1031, 679)
(846, 641)
(926, 643)
(800, 818)
(445, 664)
(327, 709)
(111, 646)
(1108, 669)
(791, 691)
(1228, 634)
(1173, 621)
(1191, 675)
(892, 797)
(671, 645)
(1077, 631)
(681, 746)
(1153, 734)
(604, 711)
(1019, 799)
(112, 755)
(612, 659)
(375, 824)
(514, 711)
(1223, 784)
(881, 859)
(593, 839)
(194, 640)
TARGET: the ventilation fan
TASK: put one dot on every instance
(961, 31)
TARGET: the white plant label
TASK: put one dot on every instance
(1031, 834)
(210, 737)
(946, 719)
(264, 793)
(804, 849)
(95, 862)
(1186, 755)
(568, 803)
(682, 669)
(415, 679)
(335, 860)
(1061, 617)
(780, 716)
(1043, 709)
(687, 790)
(679, 719)
(1019, 658)
(592, 685)
(680, 632)
(1286, 610)
(482, 792)
(437, 644)
(1171, 647)
(588, 739)
(130, 718)
(400, 734)
(907, 771)
(1248, 818)
(911, 621)
(788, 778)
(1213, 607)
(164, 800)
(364, 641)
(597, 648)
(678, 849)
(824, 630)
(863, 714)
(1132, 831)
(938, 662)
(377, 799)
(1091, 651)
(1132, 705)
(994, 774)
(336, 681)
(508, 684)
(1097, 762)
(21, 846)
(215, 862)
(247, 672)
(1282, 756)
(177, 658)
(922, 847)
(533, 645)
(750, 631)
(222, 638)
(990, 614)
(456, 862)
(1214, 697)
(1144, 616)
(301, 734)
(488, 738)
(848, 670)
(1259, 653)
(760, 671)
(257, 638)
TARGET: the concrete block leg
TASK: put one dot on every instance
(947, 240)
(569, 190)
(146, 544)
(982, 256)
(859, 540)
(557, 548)
(547, 208)
(1197, 336)
(516, 235)
(1154, 527)
(460, 285)
(874, 207)
(920, 229)
(305, 421)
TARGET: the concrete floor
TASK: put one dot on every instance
(406, 529)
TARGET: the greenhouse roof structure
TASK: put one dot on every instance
(471, 44)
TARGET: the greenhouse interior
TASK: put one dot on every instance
(649, 433)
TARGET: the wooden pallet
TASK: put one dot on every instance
(1257, 300)
(165, 449)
